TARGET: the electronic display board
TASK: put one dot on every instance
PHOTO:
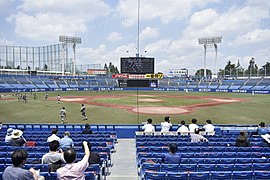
(137, 65)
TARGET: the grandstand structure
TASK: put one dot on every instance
(216, 159)
(28, 83)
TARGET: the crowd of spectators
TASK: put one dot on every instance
(60, 158)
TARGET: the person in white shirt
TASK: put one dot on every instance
(209, 128)
(183, 129)
(165, 126)
(53, 136)
(193, 125)
(148, 128)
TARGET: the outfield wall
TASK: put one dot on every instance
(134, 89)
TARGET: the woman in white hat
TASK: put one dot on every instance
(17, 138)
(8, 135)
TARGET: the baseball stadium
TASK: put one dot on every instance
(47, 92)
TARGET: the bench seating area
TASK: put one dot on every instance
(216, 159)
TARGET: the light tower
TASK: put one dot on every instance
(210, 42)
(74, 41)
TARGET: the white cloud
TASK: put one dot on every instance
(166, 11)
(149, 33)
(6, 42)
(253, 37)
(235, 21)
(102, 54)
(114, 36)
(45, 20)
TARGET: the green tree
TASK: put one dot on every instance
(200, 72)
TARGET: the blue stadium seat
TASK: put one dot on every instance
(261, 167)
(206, 167)
(247, 175)
(154, 175)
(243, 160)
(227, 160)
(224, 167)
(169, 167)
(260, 160)
(188, 167)
(177, 176)
(184, 160)
(199, 175)
(149, 167)
(221, 175)
(212, 160)
(243, 167)
(90, 176)
(258, 175)
(196, 160)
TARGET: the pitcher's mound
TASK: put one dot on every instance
(150, 100)
(160, 110)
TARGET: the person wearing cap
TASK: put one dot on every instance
(8, 135)
(148, 128)
(17, 138)
(16, 171)
(63, 114)
(172, 157)
(166, 125)
(66, 141)
(83, 109)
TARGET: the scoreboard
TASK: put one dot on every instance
(137, 65)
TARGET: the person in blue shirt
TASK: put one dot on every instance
(172, 157)
(262, 130)
(66, 141)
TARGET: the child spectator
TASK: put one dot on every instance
(148, 128)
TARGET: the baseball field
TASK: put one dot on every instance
(134, 107)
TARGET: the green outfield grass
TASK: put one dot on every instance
(254, 110)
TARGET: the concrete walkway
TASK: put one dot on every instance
(124, 161)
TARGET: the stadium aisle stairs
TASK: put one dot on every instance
(124, 161)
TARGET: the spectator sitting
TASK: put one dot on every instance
(262, 130)
(193, 125)
(94, 157)
(15, 171)
(54, 158)
(241, 140)
(53, 136)
(183, 128)
(166, 125)
(171, 157)
(17, 138)
(148, 128)
(87, 129)
(197, 137)
(66, 141)
(209, 128)
(8, 135)
(74, 170)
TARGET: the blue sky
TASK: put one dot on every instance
(169, 29)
